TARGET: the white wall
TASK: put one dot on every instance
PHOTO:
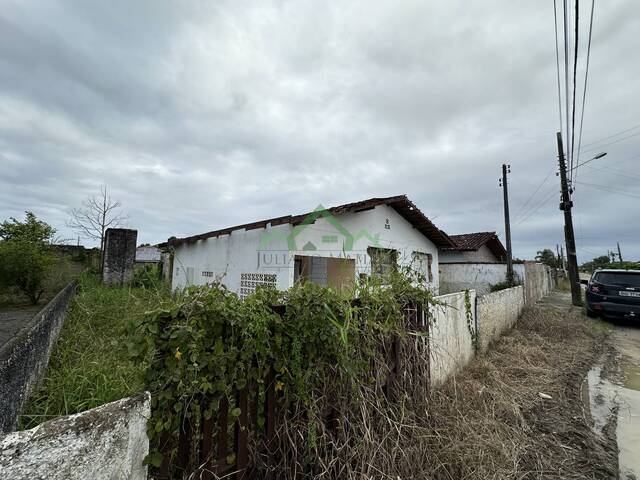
(451, 343)
(456, 277)
(498, 312)
(483, 254)
(108, 442)
(230, 255)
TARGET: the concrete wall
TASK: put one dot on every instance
(451, 343)
(498, 312)
(24, 358)
(539, 280)
(456, 277)
(228, 257)
(119, 256)
(108, 442)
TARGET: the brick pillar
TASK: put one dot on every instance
(119, 256)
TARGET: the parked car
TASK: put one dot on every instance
(614, 293)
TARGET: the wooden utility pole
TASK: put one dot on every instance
(564, 266)
(565, 206)
(619, 252)
(507, 224)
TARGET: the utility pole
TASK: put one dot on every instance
(619, 252)
(564, 266)
(565, 206)
(558, 255)
(507, 224)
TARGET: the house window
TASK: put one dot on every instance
(207, 274)
(250, 281)
(383, 260)
(422, 263)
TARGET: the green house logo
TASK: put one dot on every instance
(349, 239)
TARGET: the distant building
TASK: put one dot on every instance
(479, 247)
(332, 247)
(148, 255)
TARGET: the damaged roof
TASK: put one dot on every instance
(469, 242)
(399, 203)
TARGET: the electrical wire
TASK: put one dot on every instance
(533, 211)
(521, 210)
(566, 70)
(573, 101)
(612, 135)
(555, 27)
(598, 147)
(609, 189)
(584, 91)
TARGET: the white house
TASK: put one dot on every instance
(332, 247)
(479, 247)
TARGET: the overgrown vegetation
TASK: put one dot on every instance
(503, 286)
(90, 365)
(327, 352)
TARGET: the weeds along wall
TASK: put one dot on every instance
(24, 359)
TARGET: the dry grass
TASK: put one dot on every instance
(487, 423)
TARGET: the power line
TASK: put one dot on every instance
(584, 91)
(598, 147)
(535, 210)
(566, 63)
(573, 101)
(612, 135)
(555, 26)
(610, 189)
(521, 209)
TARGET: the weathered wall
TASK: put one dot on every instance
(451, 342)
(539, 280)
(119, 256)
(498, 312)
(108, 442)
(265, 251)
(24, 358)
(483, 254)
(457, 277)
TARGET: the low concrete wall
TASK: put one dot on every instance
(451, 343)
(498, 312)
(108, 442)
(457, 277)
(24, 358)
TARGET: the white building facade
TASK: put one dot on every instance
(332, 247)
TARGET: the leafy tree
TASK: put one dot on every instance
(25, 256)
(547, 257)
(598, 262)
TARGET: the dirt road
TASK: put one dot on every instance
(614, 391)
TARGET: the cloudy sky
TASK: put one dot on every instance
(200, 115)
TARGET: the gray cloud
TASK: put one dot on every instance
(202, 115)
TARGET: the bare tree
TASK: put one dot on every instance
(98, 212)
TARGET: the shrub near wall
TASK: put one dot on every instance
(322, 359)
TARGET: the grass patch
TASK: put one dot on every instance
(90, 365)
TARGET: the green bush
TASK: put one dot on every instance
(25, 255)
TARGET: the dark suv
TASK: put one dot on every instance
(614, 293)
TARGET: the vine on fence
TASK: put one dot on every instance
(211, 343)
(469, 315)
